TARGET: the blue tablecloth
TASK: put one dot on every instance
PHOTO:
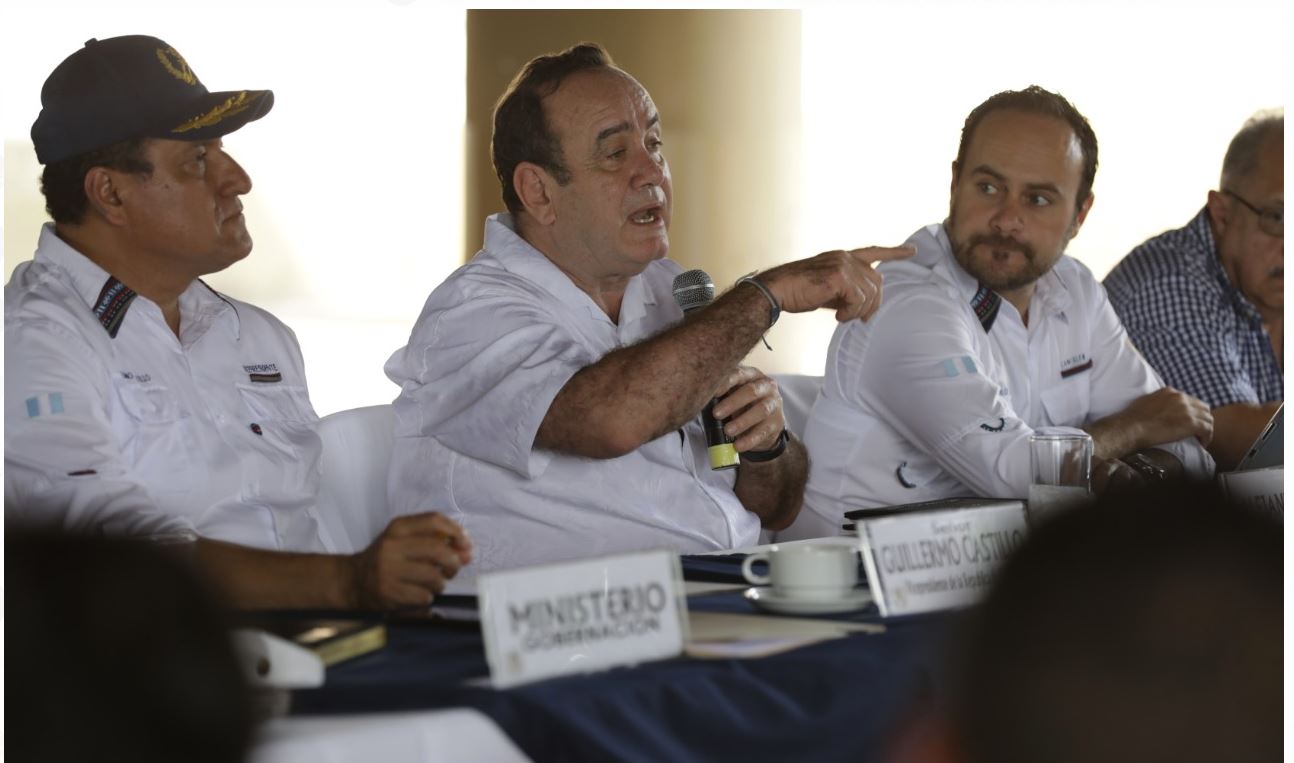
(836, 700)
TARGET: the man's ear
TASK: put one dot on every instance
(1081, 216)
(952, 184)
(102, 191)
(1219, 212)
(533, 185)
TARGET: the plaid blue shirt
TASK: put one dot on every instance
(1198, 331)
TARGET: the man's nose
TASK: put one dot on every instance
(1008, 217)
(233, 179)
(650, 168)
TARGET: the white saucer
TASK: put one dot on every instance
(767, 599)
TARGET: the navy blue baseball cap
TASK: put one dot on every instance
(133, 87)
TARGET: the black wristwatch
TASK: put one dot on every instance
(778, 449)
(1149, 470)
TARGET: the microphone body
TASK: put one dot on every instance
(694, 290)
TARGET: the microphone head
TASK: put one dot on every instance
(693, 289)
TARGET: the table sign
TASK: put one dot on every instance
(576, 617)
(1260, 489)
(937, 560)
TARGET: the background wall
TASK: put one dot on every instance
(788, 132)
(356, 209)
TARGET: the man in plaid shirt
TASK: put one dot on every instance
(1205, 303)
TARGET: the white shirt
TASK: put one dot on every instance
(114, 424)
(931, 400)
(492, 348)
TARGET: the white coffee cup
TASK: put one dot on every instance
(810, 571)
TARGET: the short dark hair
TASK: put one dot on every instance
(1242, 154)
(522, 132)
(63, 181)
(1146, 627)
(1036, 100)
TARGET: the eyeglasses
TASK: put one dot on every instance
(1270, 221)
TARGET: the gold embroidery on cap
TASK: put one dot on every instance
(179, 68)
(233, 105)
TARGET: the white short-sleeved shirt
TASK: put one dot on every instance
(937, 394)
(114, 424)
(493, 346)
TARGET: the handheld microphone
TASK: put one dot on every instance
(693, 290)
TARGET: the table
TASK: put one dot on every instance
(834, 700)
(459, 734)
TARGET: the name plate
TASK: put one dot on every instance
(937, 560)
(577, 617)
(1262, 490)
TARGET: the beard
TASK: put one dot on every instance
(999, 279)
(996, 279)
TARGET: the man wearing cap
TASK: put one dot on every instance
(550, 396)
(990, 334)
(1206, 303)
(140, 402)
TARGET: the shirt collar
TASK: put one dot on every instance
(110, 299)
(518, 256)
(202, 307)
(1051, 295)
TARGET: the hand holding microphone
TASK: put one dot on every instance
(844, 281)
(693, 290)
(750, 405)
(749, 417)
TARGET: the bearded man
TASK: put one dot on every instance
(989, 334)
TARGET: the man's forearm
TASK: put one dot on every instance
(1158, 418)
(774, 490)
(252, 578)
(1112, 438)
(638, 393)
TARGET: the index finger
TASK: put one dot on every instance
(884, 253)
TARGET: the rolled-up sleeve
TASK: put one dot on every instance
(63, 464)
(479, 375)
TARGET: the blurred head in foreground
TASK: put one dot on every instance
(1145, 628)
(116, 652)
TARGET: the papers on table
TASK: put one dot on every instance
(729, 635)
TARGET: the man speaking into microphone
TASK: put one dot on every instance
(552, 389)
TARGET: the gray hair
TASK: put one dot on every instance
(1242, 154)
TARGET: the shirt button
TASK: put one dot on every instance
(256, 428)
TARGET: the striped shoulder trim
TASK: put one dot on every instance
(986, 303)
(110, 308)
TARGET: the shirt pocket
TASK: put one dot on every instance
(281, 417)
(149, 404)
(156, 437)
(1067, 404)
